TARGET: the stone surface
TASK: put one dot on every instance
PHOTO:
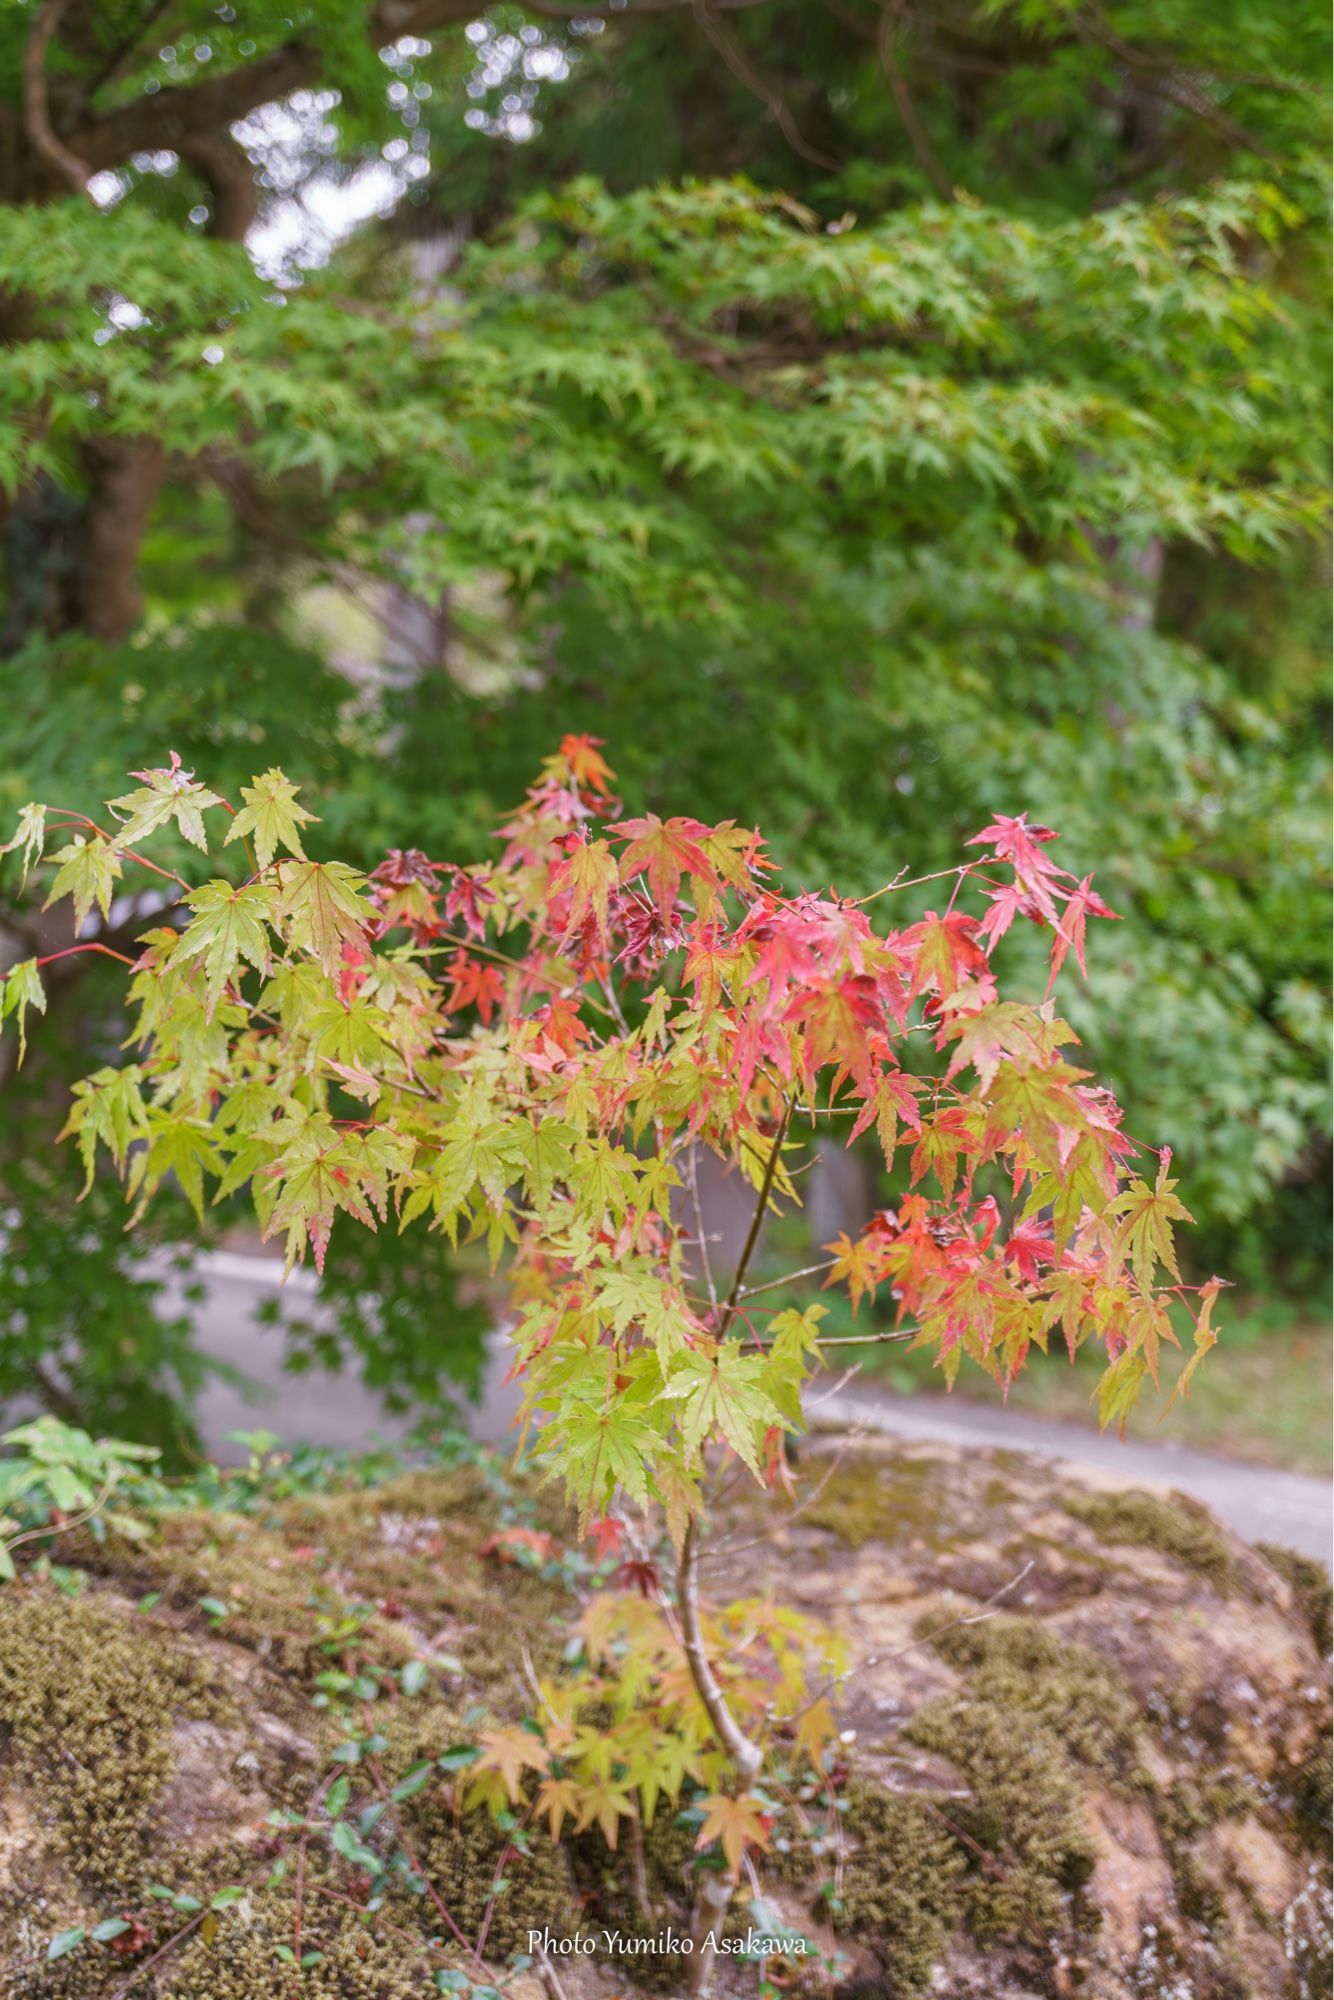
(1082, 1737)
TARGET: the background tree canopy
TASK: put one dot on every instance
(867, 416)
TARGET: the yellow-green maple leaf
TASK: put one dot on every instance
(271, 817)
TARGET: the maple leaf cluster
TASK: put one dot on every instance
(620, 1734)
(533, 1051)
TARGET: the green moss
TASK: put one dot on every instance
(1180, 1528)
(504, 1620)
(1310, 1581)
(882, 1500)
(405, 1554)
(1064, 1689)
(360, 1961)
(1312, 1791)
(901, 1884)
(88, 1696)
(464, 1857)
(605, 1882)
(1023, 1814)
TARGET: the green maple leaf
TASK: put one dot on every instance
(1206, 1337)
(22, 989)
(1119, 1388)
(488, 1156)
(634, 1292)
(30, 835)
(795, 1335)
(165, 795)
(181, 1146)
(725, 1392)
(602, 1444)
(229, 925)
(322, 905)
(317, 1175)
(603, 1181)
(545, 1146)
(295, 994)
(1145, 1230)
(87, 870)
(351, 1036)
(109, 1106)
(271, 817)
(1066, 1195)
(1039, 1102)
(656, 1183)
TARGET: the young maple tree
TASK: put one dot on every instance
(533, 1051)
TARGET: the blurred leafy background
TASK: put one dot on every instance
(865, 416)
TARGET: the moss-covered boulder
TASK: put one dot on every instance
(1085, 1748)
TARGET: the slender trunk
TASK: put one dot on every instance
(713, 1891)
(713, 1898)
(747, 1756)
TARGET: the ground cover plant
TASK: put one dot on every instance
(533, 1051)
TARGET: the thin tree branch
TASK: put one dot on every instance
(692, 1182)
(1172, 87)
(747, 1756)
(36, 102)
(750, 79)
(756, 1222)
(887, 50)
(790, 1277)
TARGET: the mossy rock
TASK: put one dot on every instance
(1180, 1528)
(1021, 1824)
(1062, 1689)
(1310, 1581)
(89, 1693)
(1045, 1788)
(901, 1885)
(874, 1500)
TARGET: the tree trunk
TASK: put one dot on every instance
(125, 475)
(73, 563)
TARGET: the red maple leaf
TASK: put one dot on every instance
(608, 1534)
(1021, 844)
(1014, 900)
(709, 961)
(128, 1943)
(473, 984)
(1029, 1247)
(561, 1023)
(468, 892)
(664, 850)
(1084, 902)
(648, 935)
(946, 951)
(587, 767)
(355, 962)
(404, 887)
(643, 1575)
(511, 1545)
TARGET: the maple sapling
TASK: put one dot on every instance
(532, 1052)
